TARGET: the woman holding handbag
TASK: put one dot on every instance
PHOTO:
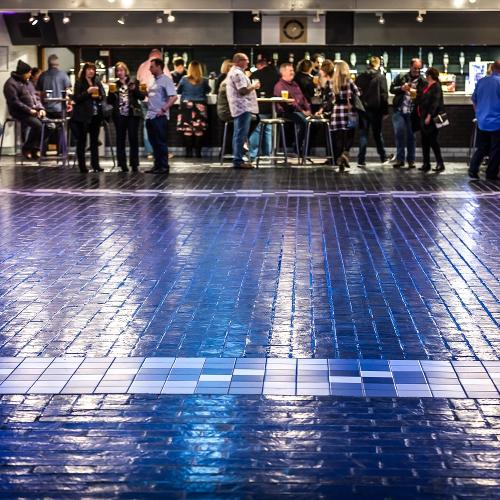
(86, 117)
(430, 111)
(125, 96)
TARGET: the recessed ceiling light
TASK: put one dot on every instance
(121, 20)
(66, 18)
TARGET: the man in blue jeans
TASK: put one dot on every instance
(486, 99)
(242, 101)
(405, 89)
(161, 96)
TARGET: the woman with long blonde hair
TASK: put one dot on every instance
(125, 97)
(192, 120)
(344, 116)
(224, 70)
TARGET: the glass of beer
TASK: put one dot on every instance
(284, 94)
(112, 86)
(95, 92)
(143, 87)
(316, 80)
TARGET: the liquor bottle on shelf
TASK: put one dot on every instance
(461, 60)
(446, 61)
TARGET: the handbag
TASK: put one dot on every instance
(355, 106)
(357, 103)
(107, 110)
(352, 120)
(441, 120)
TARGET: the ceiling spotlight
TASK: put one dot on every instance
(381, 18)
(33, 20)
(46, 17)
(111, 1)
(420, 17)
(255, 16)
(66, 18)
(121, 20)
(316, 18)
(170, 16)
(472, 1)
(159, 19)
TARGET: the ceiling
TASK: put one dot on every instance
(271, 6)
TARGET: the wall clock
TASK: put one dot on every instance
(293, 30)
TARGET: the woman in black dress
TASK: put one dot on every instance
(429, 105)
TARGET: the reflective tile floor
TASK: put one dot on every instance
(217, 333)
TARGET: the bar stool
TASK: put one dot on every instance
(60, 125)
(222, 152)
(107, 138)
(18, 132)
(473, 139)
(272, 122)
(328, 138)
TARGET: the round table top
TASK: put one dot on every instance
(55, 99)
(274, 99)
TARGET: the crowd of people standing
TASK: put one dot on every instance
(323, 90)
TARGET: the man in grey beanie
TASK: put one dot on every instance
(24, 107)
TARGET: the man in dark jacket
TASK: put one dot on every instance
(23, 106)
(374, 95)
(405, 88)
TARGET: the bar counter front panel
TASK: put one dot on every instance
(457, 135)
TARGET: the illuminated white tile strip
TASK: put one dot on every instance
(268, 376)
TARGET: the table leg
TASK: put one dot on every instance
(274, 132)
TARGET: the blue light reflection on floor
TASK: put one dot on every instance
(290, 275)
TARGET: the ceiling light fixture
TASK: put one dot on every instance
(46, 17)
(159, 19)
(255, 16)
(33, 20)
(66, 18)
(316, 18)
(121, 20)
(170, 16)
(420, 17)
(381, 18)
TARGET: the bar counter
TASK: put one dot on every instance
(456, 136)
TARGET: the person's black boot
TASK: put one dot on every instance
(425, 167)
(197, 146)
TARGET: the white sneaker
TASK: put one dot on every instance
(389, 160)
